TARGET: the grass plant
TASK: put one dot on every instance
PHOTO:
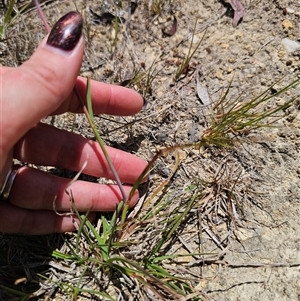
(115, 33)
(157, 6)
(183, 67)
(143, 79)
(98, 250)
(231, 118)
(10, 16)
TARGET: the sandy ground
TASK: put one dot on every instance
(262, 260)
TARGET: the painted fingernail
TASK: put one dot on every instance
(66, 32)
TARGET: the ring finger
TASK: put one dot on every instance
(34, 189)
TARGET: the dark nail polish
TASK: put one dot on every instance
(66, 32)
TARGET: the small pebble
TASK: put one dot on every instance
(290, 10)
(290, 45)
(287, 24)
(281, 53)
(219, 75)
(280, 102)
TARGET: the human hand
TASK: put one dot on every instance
(40, 87)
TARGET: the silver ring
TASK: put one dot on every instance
(8, 182)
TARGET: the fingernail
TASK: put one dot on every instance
(66, 33)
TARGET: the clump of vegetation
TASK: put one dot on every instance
(11, 15)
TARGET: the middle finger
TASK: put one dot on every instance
(49, 146)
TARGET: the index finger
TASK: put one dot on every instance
(107, 99)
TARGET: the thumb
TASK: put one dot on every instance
(40, 85)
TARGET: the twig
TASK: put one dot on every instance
(42, 16)
(263, 265)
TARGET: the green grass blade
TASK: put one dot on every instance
(175, 222)
(7, 18)
(91, 120)
(23, 295)
(9, 11)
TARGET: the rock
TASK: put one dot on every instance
(290, 10)
(287, 24)
(290, 45)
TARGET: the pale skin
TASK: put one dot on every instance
(43, 86)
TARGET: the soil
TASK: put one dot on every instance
(259, 248)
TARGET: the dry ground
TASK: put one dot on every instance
(257, 249)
